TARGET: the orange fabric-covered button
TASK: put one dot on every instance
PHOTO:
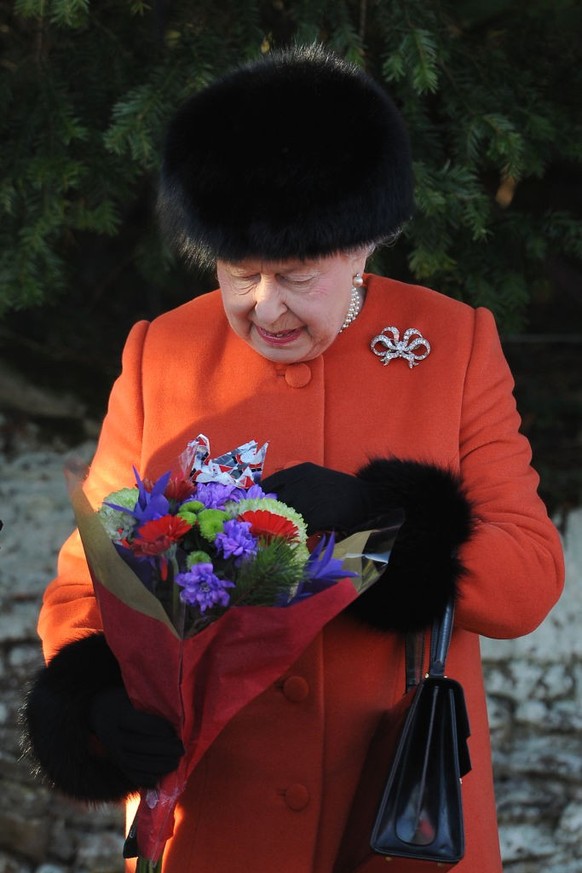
(295, 689)
(298, 375)
(297, 797)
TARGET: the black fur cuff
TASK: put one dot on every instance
(424, 567)
(56, 722)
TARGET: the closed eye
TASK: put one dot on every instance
(297, 281)
(244, 284)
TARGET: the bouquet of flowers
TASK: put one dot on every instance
(171, 560)
(212, 539)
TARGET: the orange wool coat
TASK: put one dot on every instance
(272, 793)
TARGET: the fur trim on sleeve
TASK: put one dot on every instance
(55, 719)
(424, 567)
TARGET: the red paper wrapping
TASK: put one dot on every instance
(200, 683)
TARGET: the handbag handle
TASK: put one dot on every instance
(442, 630)
(439, 646)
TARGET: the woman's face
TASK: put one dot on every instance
(288, 311)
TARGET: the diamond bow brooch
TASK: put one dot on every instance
(388, 345)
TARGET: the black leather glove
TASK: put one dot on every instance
(327, 499)
(144, 746)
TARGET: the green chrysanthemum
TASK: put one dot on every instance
(124, 497)
(198, 557)
(211, 522)
(189, 511)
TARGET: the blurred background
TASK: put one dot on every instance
(491, 93)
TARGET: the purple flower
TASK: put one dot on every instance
(215, 495)
(202, 588)
(255, 492)
(236, 540)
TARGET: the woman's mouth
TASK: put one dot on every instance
(280, 337)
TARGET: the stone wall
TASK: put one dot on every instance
(534, 686)
(39, 831)
(535, 708)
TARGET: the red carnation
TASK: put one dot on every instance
(268, 525)
(179, 489)
(156, 536)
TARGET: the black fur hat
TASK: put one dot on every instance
(299, 154)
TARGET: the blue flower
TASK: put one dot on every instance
(321, 570)
(202, 588)
(150, 504)
(236, 541)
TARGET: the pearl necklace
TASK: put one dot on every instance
(353, 309)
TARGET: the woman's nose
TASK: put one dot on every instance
(269, 303)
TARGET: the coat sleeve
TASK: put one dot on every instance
(69, 610)
(513, 561)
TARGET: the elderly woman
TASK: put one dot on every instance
(373, 394)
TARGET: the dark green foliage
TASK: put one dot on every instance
(273, 575)
(491, 93)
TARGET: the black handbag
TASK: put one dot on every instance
(408, 804)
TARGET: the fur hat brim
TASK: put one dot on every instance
(297, 155)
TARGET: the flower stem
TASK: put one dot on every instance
(178, 607)
(145, 866)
